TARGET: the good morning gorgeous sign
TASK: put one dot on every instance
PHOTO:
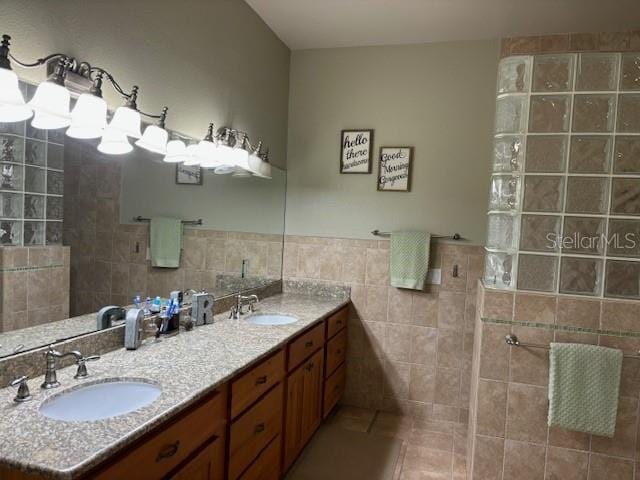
(394, 174)
(355, 151)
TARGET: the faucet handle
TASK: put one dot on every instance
(82, 367)
(23, 394)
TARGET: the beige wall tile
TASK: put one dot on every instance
(377, 269)
(634, 40)
(397, 377)
(398, 342)
(583, 41)
(309, 261)
(353, 264)
(424, 309)
(554, 43)
(535, 308)
(613, 42)
(422, 383)
(487, 458)
(623, 442)
(531, 365)
(563, 464)
(498, 305)
(451, 310)
(449, 349)
(400, 305)
(423, 459)
(459, 282)
(578, 312)
(447, 386)
(609, 468)
(38, 283)
(524, 461)
(494, 354)
(14, 257)
(492, 408)
(14, 291)
(527, 413)
(620, 316)
(446, 413)
(376, 303)
(424, 342)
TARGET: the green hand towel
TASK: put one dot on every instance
(166, 242)
(584, 381)
(409, 259)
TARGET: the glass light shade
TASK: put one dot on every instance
(265, 169)
(154, 139)
(192, 156)
(51, 106)
(239, 172)
(12, 106)
(207, 152)
(176, 152)
(88, 118)
(254, 163)
(114, 142)
(239, 158)
(224, 170)
(224, 154)
(126, 120)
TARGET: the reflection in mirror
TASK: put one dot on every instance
(70, 243)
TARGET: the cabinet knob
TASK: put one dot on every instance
(309, 344)
(168, 451)
(310, 366)
(259, 428)
(261, 380)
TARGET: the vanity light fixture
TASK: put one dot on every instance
(89, 116)
(155, 137)
(226, 151)
(12, 104)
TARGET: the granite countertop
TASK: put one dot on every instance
(186, 367)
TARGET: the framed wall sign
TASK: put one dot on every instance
(188, 175)
(394, 173)
(355, 151)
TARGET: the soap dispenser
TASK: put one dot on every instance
(133, 329)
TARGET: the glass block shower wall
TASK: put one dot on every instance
(564, 207)
(31, 183)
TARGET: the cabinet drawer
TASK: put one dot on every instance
(208, 464)
(252, 431)
(336, 349)
(301, 348)
(337, 321)
(158, 454)
(333, 389)
(267, 465)
(254, 383)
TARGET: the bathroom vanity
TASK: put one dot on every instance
(238, 401)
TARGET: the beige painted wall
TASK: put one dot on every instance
(213, 61)
(437, 97)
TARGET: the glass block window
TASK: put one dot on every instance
(564, 203)
(31, 183)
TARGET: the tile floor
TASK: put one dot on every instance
(430, 450)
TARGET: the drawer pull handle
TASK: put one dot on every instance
(168, 451)
(310, 366)
(338, 352)
(259, 428)
(309, 344)
(261, 380)
(339, 322)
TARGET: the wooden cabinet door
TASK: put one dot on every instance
(312, 396)
(293, 416)
(304, 406)
(207, 465)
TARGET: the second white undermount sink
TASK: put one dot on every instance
(97, 401)
(271, 319)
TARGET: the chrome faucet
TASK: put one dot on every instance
(241, 301)
(23, 394)
(50, 375)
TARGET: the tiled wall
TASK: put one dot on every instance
(409, 351)
(571, 42)
(509, 437)
(108, 260)
(34, 286)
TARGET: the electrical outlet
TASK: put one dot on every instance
(434, 276)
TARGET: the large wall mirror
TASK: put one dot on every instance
(74, 232)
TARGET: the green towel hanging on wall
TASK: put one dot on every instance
(409, 259)
(166, 242)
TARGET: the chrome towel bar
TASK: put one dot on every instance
(455, 236)
(140, 218)
(514, 342)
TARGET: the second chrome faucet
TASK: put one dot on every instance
(50, 374)
(241, 301)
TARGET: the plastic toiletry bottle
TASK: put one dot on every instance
(137, 301)
(147, 306)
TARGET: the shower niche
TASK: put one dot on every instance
(564, 202)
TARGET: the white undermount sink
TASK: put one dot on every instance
(271, 319)
(97, 401)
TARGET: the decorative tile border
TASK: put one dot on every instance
(28, 269)
(563, 328)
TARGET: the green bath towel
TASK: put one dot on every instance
(166, 242)
(584, 381)
(409, 259)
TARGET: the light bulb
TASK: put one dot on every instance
(89, 117)
(207, 152)
(265, 170)
(239, 172)
(192, 156)
(176, 152)
(239, 157)
(51, 106)
(126, 120)
(12, 106)
(114, 142)
(224, 154)
(224, 169)
(154, 139)
(254, 163)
